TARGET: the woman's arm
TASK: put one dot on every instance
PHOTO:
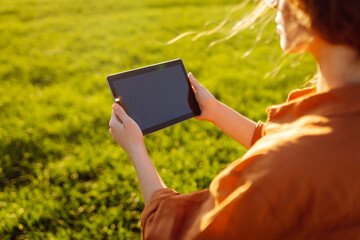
(128, 135)
(149, 179)
(229, 121)
(234, 124)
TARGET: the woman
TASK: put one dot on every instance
(300, 177)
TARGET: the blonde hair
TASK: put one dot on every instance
(259, 14)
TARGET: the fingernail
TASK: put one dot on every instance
(115, 106)
(190, 73)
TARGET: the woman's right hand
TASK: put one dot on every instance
(207, 102)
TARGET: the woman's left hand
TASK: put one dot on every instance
(125, 131)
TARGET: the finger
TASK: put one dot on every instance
(120, 112)
(115, 122)
(112, 117)
(193, 81)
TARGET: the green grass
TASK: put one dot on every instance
(61, 174)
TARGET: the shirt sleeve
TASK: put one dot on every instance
(244, 214)
(235, 207)
(170, 215)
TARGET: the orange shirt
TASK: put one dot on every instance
(299, 180)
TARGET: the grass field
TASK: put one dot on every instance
(61, 174)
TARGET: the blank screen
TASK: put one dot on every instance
(155, 97)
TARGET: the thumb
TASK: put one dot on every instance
(120, 112)
(193, 81)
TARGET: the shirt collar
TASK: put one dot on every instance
(336, 102)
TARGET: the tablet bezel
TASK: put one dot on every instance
(193, 105)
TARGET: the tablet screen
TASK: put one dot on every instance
(156, 96)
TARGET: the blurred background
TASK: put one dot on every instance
(61, 174)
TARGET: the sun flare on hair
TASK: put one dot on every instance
(259, 15)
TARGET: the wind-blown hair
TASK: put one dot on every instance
(336, 21)
(248, 21)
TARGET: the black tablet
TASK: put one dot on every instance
(155, 96)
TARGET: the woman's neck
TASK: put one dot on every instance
(338, 66)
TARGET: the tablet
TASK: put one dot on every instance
(155, 96)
